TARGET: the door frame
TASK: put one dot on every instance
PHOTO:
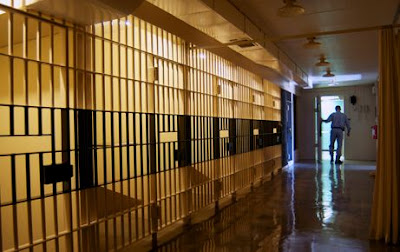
(291, 162)
(318, 125)
(318, 129)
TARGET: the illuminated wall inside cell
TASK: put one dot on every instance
(112, 132)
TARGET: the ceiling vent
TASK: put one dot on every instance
(242, 43)
(247, 45)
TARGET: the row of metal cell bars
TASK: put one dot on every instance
(113, 133)
(92, 154)
(128, 158)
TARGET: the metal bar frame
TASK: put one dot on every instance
(159, 192)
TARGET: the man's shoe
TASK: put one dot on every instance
(338, 162)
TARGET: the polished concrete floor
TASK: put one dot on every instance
(308, 207)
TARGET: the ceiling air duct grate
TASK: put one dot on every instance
(242, 43)
(246, 44)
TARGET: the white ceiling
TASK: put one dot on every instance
(353, 56)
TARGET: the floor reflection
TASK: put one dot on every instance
(309, 207)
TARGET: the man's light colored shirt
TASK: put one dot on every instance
(339, 120)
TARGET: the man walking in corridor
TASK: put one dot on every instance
(339, 122)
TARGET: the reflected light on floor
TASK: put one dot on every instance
(306, 208)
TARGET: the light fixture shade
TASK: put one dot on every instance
(322, 62)
(328, 73)
(291, 9)
(311, 44)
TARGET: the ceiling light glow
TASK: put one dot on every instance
(337, 78)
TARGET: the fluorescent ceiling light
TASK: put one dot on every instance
(330, 98)
(337, 78)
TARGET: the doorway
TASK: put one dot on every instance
(327, 106)
(287, 126)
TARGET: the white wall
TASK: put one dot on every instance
(360, 145)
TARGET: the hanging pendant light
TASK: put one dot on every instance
(312, 44)
(328, 73)
(291, 9)
(322, 62)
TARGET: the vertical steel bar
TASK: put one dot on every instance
(135, 173)
(103, 67)
(147, 132)
(11, 73)
(95, 106)
(141, 124)
(39, 81)
(176, 179)
(170, 170)
(159, 172)
(112, 131)
(14, 201)
(25, 56)
(141, 170)
(53, 136)
(53, 157)
(134, 136)
(75, 112)
(28, 197)
(153, 174)
(26, 111)
(121, 144)
(42, 203)
(66, 154)
(128, 146)
(165, 180)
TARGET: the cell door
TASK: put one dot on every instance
(289, 127)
